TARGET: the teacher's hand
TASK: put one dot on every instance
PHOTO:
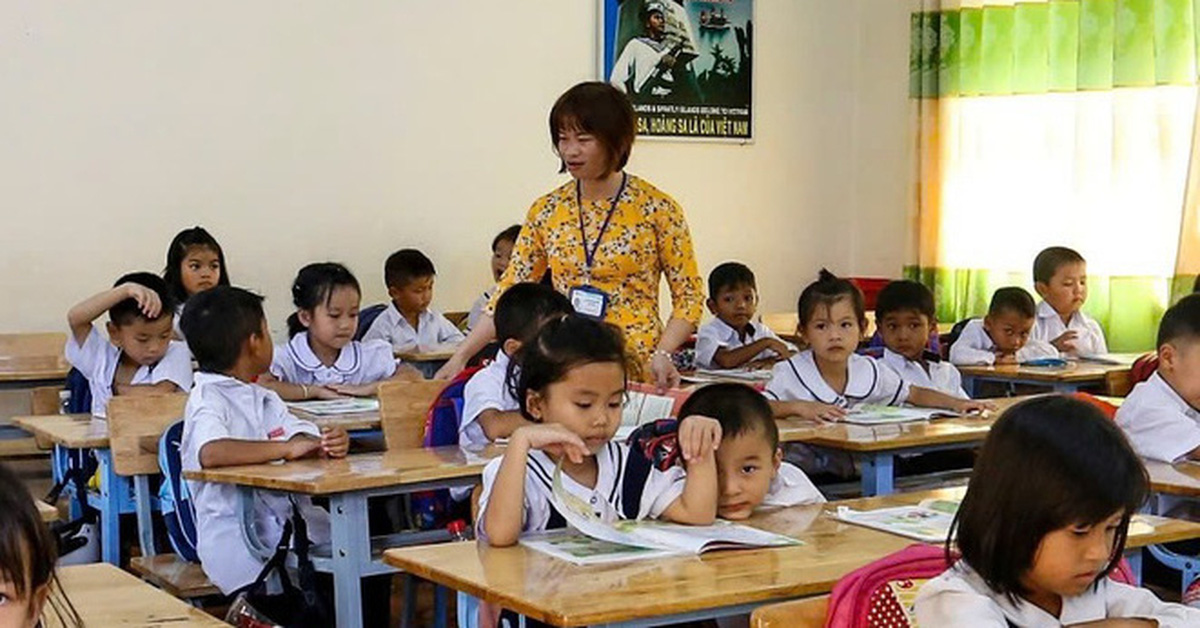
(451, 368)
(663, 371)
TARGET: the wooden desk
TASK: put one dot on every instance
(682, 588)
(73, 431)
(31, 370)
(1062, 379)
(427, 362)
(106, 596)
(349, 483)
(356, 422)
(1181, 479)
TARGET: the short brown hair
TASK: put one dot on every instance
(602, 110)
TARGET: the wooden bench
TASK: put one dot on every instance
(135, 424)
(806, 613)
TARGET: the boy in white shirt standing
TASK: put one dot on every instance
(1003, 336)
(734, 339)
(408, 323)
(1060, 278)
(139, 357)
(905, 315)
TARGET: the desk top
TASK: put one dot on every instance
(349, 422)
(106, 596)
(314, 476)
(33, 368)
(67, 430)
(1181, 478)
(1072, 372)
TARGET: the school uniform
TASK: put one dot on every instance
(97, 358)
(433, 329)
(975, 346)
(941, 376)
(960, 597)
(1159, 423)
(222, 407)
(717, 334)
(357, 363)
(867, 382)
(486, 390)
(175, 322)
(627, 487)
(1048, 325)
(791, 487)
(479, 307)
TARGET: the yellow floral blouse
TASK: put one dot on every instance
(648, 237)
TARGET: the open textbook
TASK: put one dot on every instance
(644, 405)
(595, 539)
(333, 407)
(870, 414)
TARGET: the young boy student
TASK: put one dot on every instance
(502, 246)
(408, 323)
(734, 339)
(1160, 415)
(1002, 337)
(490, 411)
(231, 421)
(1060, 278)
(905, 315)
(139, 356)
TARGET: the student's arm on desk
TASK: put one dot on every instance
(404, 373)
(80, 316)
(496, 424)
(964, 355)
(165, 387)
(506, 502)
(736, 358)
(698, 439)
(929, 398)
(296, 392)
(808, 410)
(228, 452)
(483, 333)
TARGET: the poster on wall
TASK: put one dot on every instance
(686, 65)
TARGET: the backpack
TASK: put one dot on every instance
(79, 466)
(430, 510)
(366, 316)
(1143, 368)
(174, 497)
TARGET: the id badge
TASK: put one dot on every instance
(588, 301)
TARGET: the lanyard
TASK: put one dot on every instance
(589, 254)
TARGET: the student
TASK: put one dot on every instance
(905, 316)
(822, 382)
(231, 421)
(571, 386)
(139, 356)
(29, 589)
(1160, 415)
(750, 467)
(1060, 278)
(734, 339)
(1002, 337)
(195, 262)
(490, 411)
(502, 246)
(1043, 523)
(408, 324)
(322, 360)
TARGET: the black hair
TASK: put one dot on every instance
(183, 242)
(560, 345)
(739, 408)
(1012, 299)
(314, 285)
(218, 322)
(508, 235)
(1048, 463)
(598, 108)
(1051, 259)
(827, 290)
(1196, 284)
(522, 308)
(1181, 321)
(907, 295)
(128, 310)
(406, 265)
(729, 275)
(28, 550)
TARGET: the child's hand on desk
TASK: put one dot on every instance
(779, 347)
(817, 411)
(335, 442)
(1005, 358)
(324, 392)
(698, 437)
(147, 299)
(551, 438)
(967, 406)
(1066, 342)
(301, 446)
(362, 390)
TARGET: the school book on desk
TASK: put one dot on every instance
(643, 404)
(334, 407)
(869, 414)
(592, 540)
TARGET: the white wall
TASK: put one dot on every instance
(305, 130)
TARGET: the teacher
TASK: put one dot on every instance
(607, 237)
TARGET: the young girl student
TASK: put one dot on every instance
(29, 590)
(825, 380)
(571, 385)
(1043, 523)
(195, 262)
(322, 360)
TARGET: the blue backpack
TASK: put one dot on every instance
(174, 497)
(366, 316)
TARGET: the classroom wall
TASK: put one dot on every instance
(307, 130)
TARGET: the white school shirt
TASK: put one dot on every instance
(975, 346)
(1159, 423)
(791, 487)
(357, 363)
(486, 390)
(479, 307)
(942, 376)
(661, 488)
(221, 407)
(1047, 326)
(867, 382)
(717, 334)
(98, 359)
(433, 330)
(960, 597)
